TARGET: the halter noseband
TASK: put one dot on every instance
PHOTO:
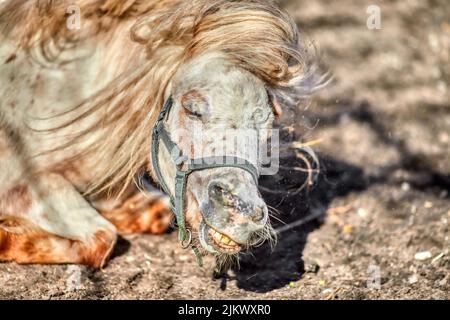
(186, 166)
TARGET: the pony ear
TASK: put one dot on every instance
(276, 107)
(195, 103)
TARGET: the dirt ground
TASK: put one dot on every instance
(375, 225)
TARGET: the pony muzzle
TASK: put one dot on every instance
(231, 217)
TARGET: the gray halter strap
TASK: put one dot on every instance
(186, 166)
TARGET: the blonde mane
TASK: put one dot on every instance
(253, 34)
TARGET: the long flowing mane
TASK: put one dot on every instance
(253, 34)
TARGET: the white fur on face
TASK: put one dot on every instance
(216, 104)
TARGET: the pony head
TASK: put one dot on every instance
(219, 115)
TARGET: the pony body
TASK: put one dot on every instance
(77, 108)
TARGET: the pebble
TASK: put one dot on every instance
(362, 213)
(423, 255)
(312, 268)
(327, 291)
(348, 229)
(413, 279)
(406, 186)
(428, 204)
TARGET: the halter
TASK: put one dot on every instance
(185, 166)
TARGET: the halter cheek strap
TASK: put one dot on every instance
(186, 166)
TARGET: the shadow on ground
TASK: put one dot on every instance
(297, 214)
(266, 268)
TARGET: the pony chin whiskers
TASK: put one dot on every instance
(226, 261)
(267, 234)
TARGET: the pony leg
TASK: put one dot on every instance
(143, 212)
(48, 221)
(36, 246)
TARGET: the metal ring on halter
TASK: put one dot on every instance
(186, 243)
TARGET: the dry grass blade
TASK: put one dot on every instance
(317, 213)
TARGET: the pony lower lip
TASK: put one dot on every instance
(203, 237)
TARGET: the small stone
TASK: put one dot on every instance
(413, 279)
(362, 213)
(327, 291)
(423, 255)
(312, 268)
(406, 186)
(428, 204)
(348, 229)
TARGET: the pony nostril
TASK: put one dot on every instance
(259, 214)
(222, 196)
(216, 188)
(218, 191)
